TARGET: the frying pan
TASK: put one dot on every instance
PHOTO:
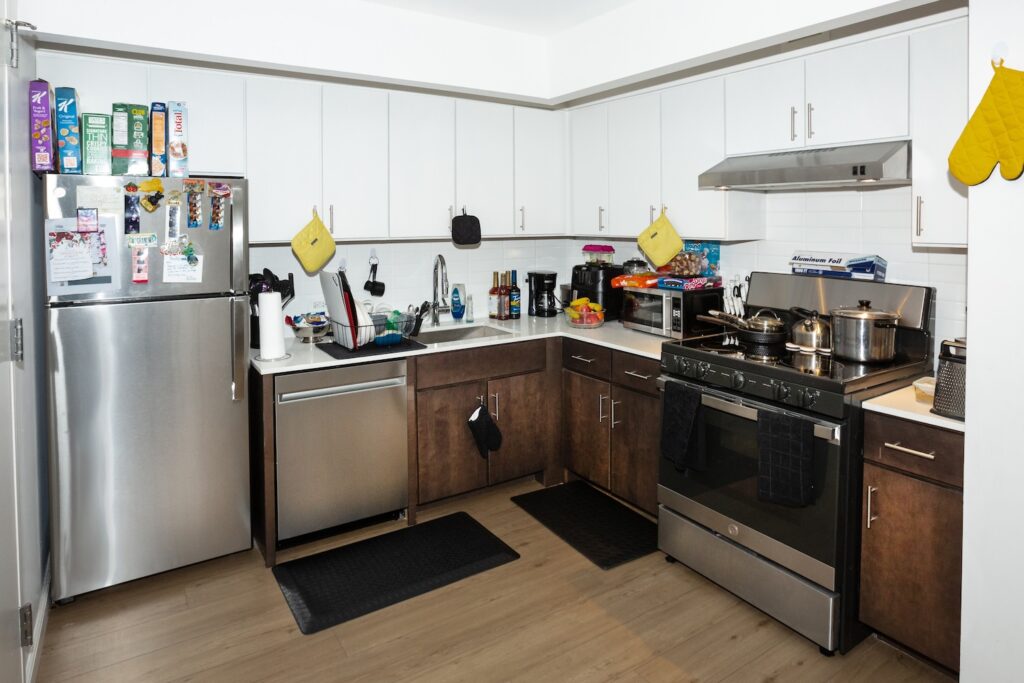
(755, 330)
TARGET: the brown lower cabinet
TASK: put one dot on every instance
(520, 410)
(449, 462)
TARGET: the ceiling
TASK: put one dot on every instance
(537, 17)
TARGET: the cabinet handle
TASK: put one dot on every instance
(614, 422)
(633, 373)
(792, 124)
(930, 455)
(651, 215)
(522, 218)
(583, 360)
(600, 218)
(870, 517)
(600, 407)
(480, 400)
(920, 202)
(495, 395)
(664, 208)
(810, 121)
(332, 218)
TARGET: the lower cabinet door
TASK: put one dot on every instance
(449, 462)
(636, 446)
(527, 438)
(586, 414)
(911, 562)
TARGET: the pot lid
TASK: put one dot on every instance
(864, 312)
(762, 323)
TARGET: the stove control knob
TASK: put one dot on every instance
(809, 397)
(738, 380)
(781, 391)
(702, 368)
(685, 367)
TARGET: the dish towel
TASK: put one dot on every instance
(486, 434)
(785, 459)
(681, 431)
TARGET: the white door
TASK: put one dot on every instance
(634, 163)
(100, 82)
(355, 160)
(283, 156)
(421, 164)
(216, 110)
(540, 168)
(857, 92)
(483, 164)
(938, 113)
(588, 169)
(764, 108)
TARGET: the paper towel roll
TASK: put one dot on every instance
(271, 326)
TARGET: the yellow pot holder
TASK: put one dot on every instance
(995, 133)
(660, 242)
(313, 245)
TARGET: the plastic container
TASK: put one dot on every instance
(598, 253)
(924, 390)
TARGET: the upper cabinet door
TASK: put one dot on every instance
(283, 170)
(540, 156)
(764, 108)
(588, 161)
(483, 164)
(216, 107)
(100, 82)
(355, 160)
(938, 113)
(422, 164)
(858, 92)
(634, 154)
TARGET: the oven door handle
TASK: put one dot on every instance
(826, 432)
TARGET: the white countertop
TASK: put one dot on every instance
(612, 335)
(902, 403)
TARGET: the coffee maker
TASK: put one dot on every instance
(542, 293)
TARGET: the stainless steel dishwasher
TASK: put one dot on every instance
(342, 446)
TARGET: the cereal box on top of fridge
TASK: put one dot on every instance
(69, 136)
(177, 140)
(157, 139)
(96, 144)
(40, 126)
(130, 139)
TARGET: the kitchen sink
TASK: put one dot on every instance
(447, 334)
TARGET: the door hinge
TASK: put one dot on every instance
(12, 35)
(12, 343)
(25, 617)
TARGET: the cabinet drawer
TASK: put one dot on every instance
(635, 372)
(589, 359)
(915, 448)
(468, 365)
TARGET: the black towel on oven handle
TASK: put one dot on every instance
(681, 430)
(785, 459)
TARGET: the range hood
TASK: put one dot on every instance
(856, 166)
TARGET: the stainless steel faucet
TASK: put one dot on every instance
(439, 307)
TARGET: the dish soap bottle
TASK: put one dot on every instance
(458, 301)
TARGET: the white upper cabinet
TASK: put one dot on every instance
(540, 154)
(764, 108)
(938, 113)
(283, 165)
(355, 161)
(588, 161)
(483, 164)
(857, 92)
(692, 141)
(216, 106)
(634, 154)
(100, 82)
(421, 164)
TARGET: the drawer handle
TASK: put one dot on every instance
(633, 373)
(870, 517)
(584, 360)
(930, 455)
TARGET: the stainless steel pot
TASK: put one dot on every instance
(812, 331)
(864, 334)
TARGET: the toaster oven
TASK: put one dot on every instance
(669, 312)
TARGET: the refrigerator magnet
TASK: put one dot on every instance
(140, 265)
(88, 220)
(174, 217)
(132, 215)
(142, 240)
(194, 191)
(220, 193)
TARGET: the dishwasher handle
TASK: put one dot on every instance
(327, 392)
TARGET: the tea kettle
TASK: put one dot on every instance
(811, 331)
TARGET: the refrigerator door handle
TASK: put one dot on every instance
(239, 313)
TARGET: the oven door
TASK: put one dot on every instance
(724, 498)
(652, 310)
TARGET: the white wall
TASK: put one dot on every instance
(992, 637)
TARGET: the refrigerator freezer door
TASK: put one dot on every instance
(224, 257)
(149, 452)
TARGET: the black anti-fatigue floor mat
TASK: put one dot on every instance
(337, 585)
(604, 531)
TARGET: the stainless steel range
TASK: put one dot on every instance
(759, 483)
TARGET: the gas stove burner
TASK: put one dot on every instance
(762, 357)
(727, 347)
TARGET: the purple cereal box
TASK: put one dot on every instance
(40, 126)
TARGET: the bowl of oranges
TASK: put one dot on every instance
(584, 313)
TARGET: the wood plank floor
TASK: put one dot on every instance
(550, 616)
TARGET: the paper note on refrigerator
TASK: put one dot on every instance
(178, 270)
(70, 257)
(109, 200)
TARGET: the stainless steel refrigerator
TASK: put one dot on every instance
(147, 364)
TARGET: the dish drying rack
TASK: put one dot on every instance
(387, 329)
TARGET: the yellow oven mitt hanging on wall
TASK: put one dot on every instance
(313, 245)
(995, 133)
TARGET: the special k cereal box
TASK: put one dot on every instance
(177, 140)
(40, 126)
(69, 137)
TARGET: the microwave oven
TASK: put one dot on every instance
(670, 312)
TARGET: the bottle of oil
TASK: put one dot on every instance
(514, 299)
(492, 297)
(503, 297)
